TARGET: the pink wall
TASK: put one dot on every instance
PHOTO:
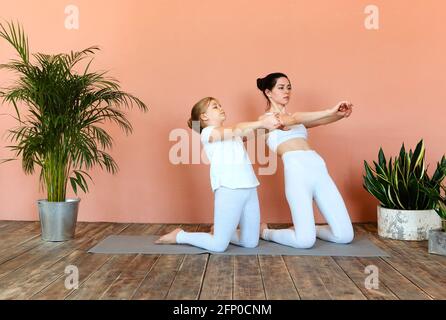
(171, 53)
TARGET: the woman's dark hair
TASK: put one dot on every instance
(268, 82)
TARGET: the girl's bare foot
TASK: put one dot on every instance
(169, 238)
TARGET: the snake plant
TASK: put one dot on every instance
(403, 182)
(439, 197)
(64, 109)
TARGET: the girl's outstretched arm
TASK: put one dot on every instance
(244, 129)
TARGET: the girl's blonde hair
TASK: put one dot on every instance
(198, 109)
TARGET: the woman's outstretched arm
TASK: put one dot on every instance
(329, 119)
(312, 119)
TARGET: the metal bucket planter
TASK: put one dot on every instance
(58, 219)
(407, 224)
(437, 240)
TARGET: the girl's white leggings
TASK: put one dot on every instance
(306, 177)
(232, 207)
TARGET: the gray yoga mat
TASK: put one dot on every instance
(115, 244)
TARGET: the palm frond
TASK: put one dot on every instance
(65, 110)
(15, 35)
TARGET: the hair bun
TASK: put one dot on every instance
(260, 84)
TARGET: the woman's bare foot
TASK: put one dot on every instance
(169, 238)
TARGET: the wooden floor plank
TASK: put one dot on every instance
(237, 276)
(355, 269)
(248, 283)
(89, 264)
(129, 280)
(219, 277)
(166, 228)
(402, 287)
(190, 227)
(13, 239)
(204, 227)
(310, 282)
(276, 279)
(306, 278)
(13, 226)
(218, 282)
(34, 241)
(21, 227)
(41, 272)
(279, 225)
(156, 284)
(433, 264)
(407, 264)
(4, 223)
(33, 269)
(188, 281)
(415, 249)
(323, 273)
(102, 278)
(36, 279)
(28, 257)
(338, 284)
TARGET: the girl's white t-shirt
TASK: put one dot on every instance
(230, 163)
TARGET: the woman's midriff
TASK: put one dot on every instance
(293, 145)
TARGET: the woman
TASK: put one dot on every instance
(306, 175)
(232, 179)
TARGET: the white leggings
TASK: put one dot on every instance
(306, 177)
(231, 208)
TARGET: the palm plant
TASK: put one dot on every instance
(403, 183)
(64, 108)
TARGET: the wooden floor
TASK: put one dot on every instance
(33, 269)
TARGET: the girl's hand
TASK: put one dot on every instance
(270, 121)
(281, 126)
(284, 118)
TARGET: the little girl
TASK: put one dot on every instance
(232, 180)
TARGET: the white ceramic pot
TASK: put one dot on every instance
(407, 224)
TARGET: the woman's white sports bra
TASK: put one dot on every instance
(276, 137)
